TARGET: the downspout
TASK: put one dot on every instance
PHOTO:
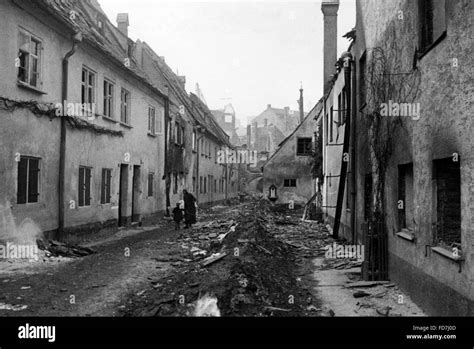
(353, 117)
(77, 38)
(166, 174)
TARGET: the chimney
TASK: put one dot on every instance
(329, 8)
(123, 23)
(301, 104)
(269, 106)
(182, 81)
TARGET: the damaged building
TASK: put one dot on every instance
(128, 154)
(398, 146)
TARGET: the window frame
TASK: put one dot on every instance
(151, 120)
(86, 87)
(308, 151)
(87, 201)
(108, 109)
(106, 187)
(27, 184)
(29, 61)
(125, 106)
(151, 184)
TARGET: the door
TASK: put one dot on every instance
(136, 195)
(123, 195)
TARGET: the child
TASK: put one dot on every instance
(177, 215)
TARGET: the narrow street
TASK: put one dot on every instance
(253, 259)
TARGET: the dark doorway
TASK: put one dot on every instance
(136, 195)
(123, 195)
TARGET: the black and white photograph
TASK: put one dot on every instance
(303, 164)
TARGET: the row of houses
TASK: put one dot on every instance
(392, 164)
(397, 149)
(96, 130)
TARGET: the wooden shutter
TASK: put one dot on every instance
(103, 189)
(81, 188)
(22, 181)
(87, 187)
(33, 179)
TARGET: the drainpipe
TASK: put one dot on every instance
(353, 117)
(77, 38)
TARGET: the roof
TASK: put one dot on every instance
(81, 16)
(315, 111)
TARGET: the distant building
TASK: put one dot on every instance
(289, 169)
(271, 127)
(227, 121)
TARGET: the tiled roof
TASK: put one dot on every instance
(80, 16)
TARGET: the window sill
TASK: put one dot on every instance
(31, 88)
(109, 119)
(432, 45)
(448, 254)
(407, 235)
(125, 125)
(152, 135)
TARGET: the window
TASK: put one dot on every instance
(159, 123)
(182, 135)
(29, 59)
(405, 197)
(85, 175)
(151, 180)
(339, 109)
(151, 120)
(88, 86)
(290, 183)
(447, 183)
(105, 187)
(331, 124)
(215, 185)
(200, 184)
(194, 184)
(205, 185)
(194, 140)
(108, 99)
(326, 119)
(432, 22)
(125, 107)
(304, 146)
(28, 180)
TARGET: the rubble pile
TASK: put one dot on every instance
(235, 265)
(61, 249)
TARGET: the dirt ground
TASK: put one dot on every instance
(253, 259)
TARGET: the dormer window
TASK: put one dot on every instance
(100, 24)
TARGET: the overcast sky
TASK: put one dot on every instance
(248, 53)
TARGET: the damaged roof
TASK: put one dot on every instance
(82, 16)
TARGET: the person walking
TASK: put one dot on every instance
(189, 209)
